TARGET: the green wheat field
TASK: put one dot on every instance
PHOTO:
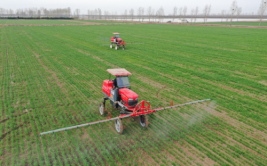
(51, 77)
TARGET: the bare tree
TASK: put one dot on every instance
(181, 11)
(139, 13)
(131, 12)
(149, 12)
(196, 13)
(192, 15)
(184, 11)
(206, 12)
(222, 13)
(233, 10)
(10, 12)
(238, 12)
(115, 15)
(174, 13)
(143, 14)
(99, 13)
(125, 14)
(160, 14)
(154, 14)
(39, 13)
(75, 14)
(262, 10)
(157, 15)
(228, 15)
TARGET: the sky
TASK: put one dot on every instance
(119, 6)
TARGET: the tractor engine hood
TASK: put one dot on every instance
(125, 92)
(119, 39)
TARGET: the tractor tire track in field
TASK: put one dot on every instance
(15, 128)
(14, 115)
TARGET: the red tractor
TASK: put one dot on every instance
(119, 93)
(121, 96)
(117, 41)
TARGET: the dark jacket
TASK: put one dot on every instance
(115, 83)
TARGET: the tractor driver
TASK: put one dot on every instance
(115, 85)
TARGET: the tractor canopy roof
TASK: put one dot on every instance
(116, 33)
(119, 72)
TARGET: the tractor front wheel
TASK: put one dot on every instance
(119, 126)
(143, 119)
(116, 48)
(102, 109)
(111, 46)
(123, 47)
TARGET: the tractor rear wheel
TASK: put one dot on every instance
(119, 126)
(111, 46)
(143, 119)
(116, 48)
(102, 109)
(123, 47)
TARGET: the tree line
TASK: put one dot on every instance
(140, 14)
(35, 12)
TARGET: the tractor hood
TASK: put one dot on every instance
(119, 39)
(125, 92)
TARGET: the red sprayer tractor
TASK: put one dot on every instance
(117, 41)
(121, 96)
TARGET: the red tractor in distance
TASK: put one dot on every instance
(117, 41)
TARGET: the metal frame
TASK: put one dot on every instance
(140, 109)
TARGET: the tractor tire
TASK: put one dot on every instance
(111, 46)
(116, 48)
(123, 47)
(102, 109)
(143, 119)
(119, 126)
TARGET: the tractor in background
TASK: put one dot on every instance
(117, 41)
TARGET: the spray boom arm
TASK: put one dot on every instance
(141, 109)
